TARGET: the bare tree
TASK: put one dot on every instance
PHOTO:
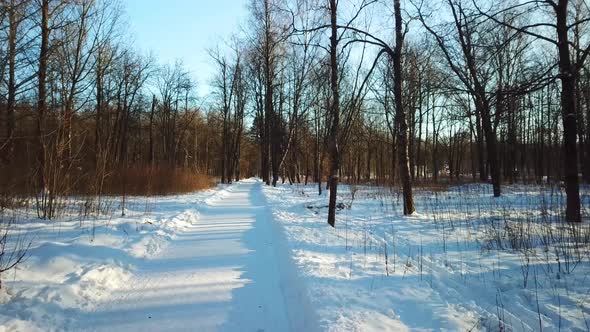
(335, 113)
(404, 160)
(41, 109)
(569, 72)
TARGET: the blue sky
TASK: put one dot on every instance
(184, 29)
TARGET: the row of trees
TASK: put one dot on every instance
(403, 91)
(373, 91)
(79, 107)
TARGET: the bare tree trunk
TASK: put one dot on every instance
(224, 149)
(268, 95)
(418, 162)
(41, 106)
(152, 152)
(483, 174)
(335, 110)
(402, 147)
(317, 159)
(568, 112)
(491, 144)
(369, 155)
(278, 154)
(98, 119)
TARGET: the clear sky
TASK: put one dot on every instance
(184, 29)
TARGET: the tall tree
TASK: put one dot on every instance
(42, 107)
(400, 112)
(334, 112)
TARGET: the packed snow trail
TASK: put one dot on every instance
(222, 273)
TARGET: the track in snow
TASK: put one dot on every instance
(222, 273)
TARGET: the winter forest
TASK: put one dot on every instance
(342, 165)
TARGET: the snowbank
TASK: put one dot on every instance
(76, 266)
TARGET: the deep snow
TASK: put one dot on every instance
(247, 257)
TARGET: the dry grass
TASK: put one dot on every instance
(155, 181)
(17, 182)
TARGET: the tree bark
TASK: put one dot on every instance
(402, 147)
(41, 103)
(152, 111)
(568, 112)
(335, 110)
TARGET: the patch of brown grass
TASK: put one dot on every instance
(143, 180)
(18, 182)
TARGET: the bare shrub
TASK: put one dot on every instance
(13, 245)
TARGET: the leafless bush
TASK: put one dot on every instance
(353, 188)
(13, 245)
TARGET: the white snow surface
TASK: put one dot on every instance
(201, 262)
(248, 257)
(437, 270)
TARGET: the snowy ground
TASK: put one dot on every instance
(450, 267)
(202, 262)
(247, 257)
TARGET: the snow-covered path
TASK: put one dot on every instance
(222, 273)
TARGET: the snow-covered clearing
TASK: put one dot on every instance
(247, 257)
